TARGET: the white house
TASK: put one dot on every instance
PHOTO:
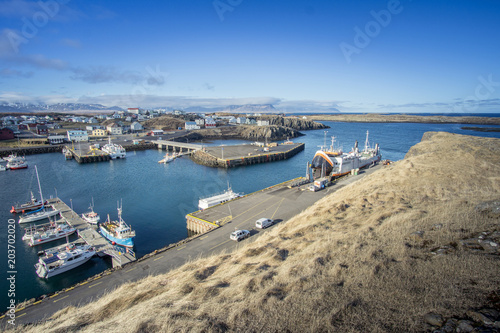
(191, 125)
(115, 129)
(92, 120)
(262, 122)
(210, 123)
(78, 135)
(136, 127)
(241, 120)
(200, 122)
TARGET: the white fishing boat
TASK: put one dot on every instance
(91, 217)
(114, 150)
(2, 167)
(216, 199)
(33, 229)
(43, 212)
(167, 159)
(58, 262)
(62, 230)
(13, 157)
(17, 164)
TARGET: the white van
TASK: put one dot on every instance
(263, 223)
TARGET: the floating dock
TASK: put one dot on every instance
(238, 155)
(90, 236)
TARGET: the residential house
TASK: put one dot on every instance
(241, 120)
(200, 122)
(42, 130)
(191, 125)
(263, 122)
(251, 121)
(99, 132)
(210, 123)
(136, 127)
(92, 120)
(6, 134)
(115, 129)
(78, 135)
(56, 139)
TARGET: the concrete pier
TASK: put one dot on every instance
(238, 155)
(92, 237)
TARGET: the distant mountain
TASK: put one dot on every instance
(59, 107)
(256, 108)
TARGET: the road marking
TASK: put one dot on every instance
(272, 217)
(81, 284)
(57, 300)
(70, 288)
(158, 258)
(181, 248)
(203, 237)
(2, 317)
(54, 295)
(21, 309)
(131, 269)
(219, 245)
(37, 302)
(95, 284)
(22, 314)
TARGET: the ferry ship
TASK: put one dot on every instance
(118, 232)
(225, 196)
(114, 150)
(335, 163)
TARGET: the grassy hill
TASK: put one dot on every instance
(406, 247)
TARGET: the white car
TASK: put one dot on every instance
(239, 235)
(263, 223)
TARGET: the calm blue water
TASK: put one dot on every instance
(157, 197)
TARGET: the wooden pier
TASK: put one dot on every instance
(92, 237)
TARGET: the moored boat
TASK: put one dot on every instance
(33, 204)
(118, 232)
(62, 230)
(17, 164)
(58, 262)
(213, 200)
(43, 213)
(335, 163)
(91, 217)
(167, 159)
(114, 150)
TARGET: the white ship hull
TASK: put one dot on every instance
(38, 216)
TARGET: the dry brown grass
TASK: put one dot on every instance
(360, 260)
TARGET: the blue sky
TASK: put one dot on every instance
(355, 56)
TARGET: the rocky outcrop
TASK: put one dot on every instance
(251, 133)
(295, 123)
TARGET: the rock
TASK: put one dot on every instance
(489, 245)
(437, 226)
(490, 313)
(490, 208)
(449, 326)
(465, 326)
(434, 319)
(479, 317)
(417, 235)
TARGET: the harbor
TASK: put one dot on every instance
(91, 237)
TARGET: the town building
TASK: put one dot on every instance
(6, 134)
(136, 127)
(210, 123)
(191, 125)
(78, 135)
(263, 122)
(42, 130)
(115, 129)
(56, 139)
(99, 132)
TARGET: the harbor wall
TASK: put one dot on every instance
(197, 225)
(207, 159)
(31, 150)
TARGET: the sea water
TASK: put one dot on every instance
(156, 197)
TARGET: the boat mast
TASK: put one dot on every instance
(366, 142)
(39, 187)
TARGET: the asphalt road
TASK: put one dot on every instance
(280, 203)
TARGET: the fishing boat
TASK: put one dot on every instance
(91, 217)
(118, 232)
(2, 167)
(335, 163)
(63, 260)
(62, 230)
(219, 198)
(30, 231)
(30, 205)
(17, 164)
(167, 159)
(114, 150)
(12, 157)
(42, 213)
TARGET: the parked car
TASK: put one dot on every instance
(263, 223)
(239, 235)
